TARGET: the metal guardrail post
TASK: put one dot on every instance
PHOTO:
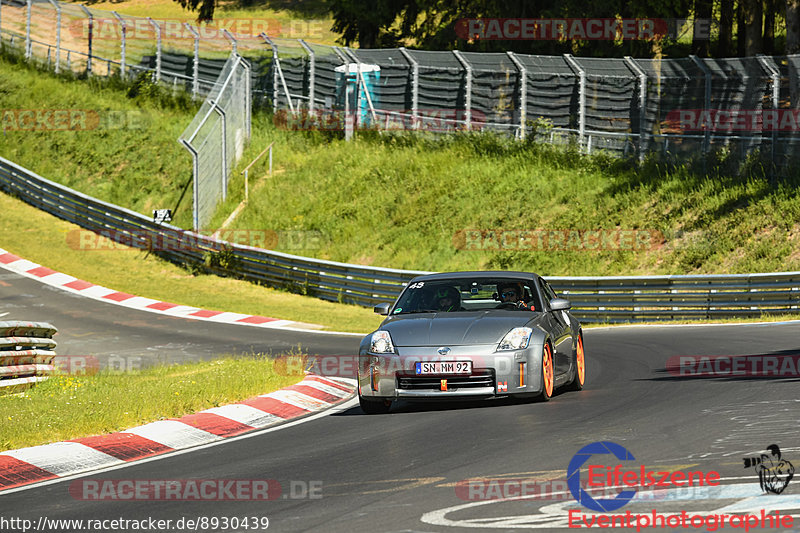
(28, 44)
(232, 39)
(157, 28)
(523, 94)
(123, 26)
(575, 66)
(311, 74)
(707, 101)
(90, 38)
(642, 102)
(57, 7)
(196, 60)
(414, 87)
(467, 89)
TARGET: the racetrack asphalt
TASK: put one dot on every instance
(402, 471)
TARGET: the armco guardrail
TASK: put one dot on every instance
(26, 354)
(594, 299)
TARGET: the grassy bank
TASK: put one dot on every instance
(404, 201)
(84, 405)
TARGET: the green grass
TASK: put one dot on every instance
(84, 405)
(308, 20)
(43, 239)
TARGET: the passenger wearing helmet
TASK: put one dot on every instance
(447, 299)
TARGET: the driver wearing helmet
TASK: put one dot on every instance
(447, 299)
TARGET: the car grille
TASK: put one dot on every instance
(480, 378)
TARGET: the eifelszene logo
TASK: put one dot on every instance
(600, 476)
(774, 473)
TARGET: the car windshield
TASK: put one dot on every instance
(468, 294)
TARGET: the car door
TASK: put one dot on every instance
(558, 323)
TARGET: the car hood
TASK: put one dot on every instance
(455, 329)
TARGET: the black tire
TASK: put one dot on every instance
(374, 407)
(579, 367)
(547, 361)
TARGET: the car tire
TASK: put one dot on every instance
(374, 407)
(548, 373)
(579, 375)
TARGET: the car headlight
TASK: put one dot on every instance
(381, 343)
(516, 339)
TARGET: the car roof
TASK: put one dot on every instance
(477, 273)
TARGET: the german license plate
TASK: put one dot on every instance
(444, 367)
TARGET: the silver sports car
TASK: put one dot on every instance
(471, 334)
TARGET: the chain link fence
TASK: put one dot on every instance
(216, 138)
(678, 110)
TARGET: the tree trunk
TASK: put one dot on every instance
(725, 43)
(703, 9)
(740, 28)
(753, 15)
(770, 7)
(792, 26)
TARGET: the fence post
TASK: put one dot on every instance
(57, 7)
(769, 66)
(277, 73)
(581, 97)
(195, 186)
(414, 87)
(642, 102)
(232, 39)
(311, 74)
(196, 60)
(361, 82)
(28, 44)
(91, 38)
(707, 103)
(1, 23)
(158, 48)
(248, 97)
(523, 93)
(123, 35)
(467, 89)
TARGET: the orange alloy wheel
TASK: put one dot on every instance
(547, 372)
(580, 361)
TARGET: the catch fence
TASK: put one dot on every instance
(677, 109)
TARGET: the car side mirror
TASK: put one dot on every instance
(382, 308)
(559, 304)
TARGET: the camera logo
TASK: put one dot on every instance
(774, 473)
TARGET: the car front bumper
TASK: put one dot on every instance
(393, 376)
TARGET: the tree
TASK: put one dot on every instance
(204, 8)
(792, 26)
